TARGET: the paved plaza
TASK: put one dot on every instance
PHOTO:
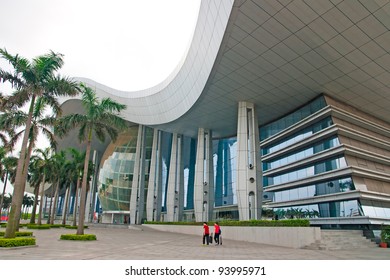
(118, 243)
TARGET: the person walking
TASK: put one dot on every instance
(206, 234)
(217, 232)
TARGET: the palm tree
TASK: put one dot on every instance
(77, 166)
(40, 123)
(34, 180)
(7, 167)
(31, 80)
(101, 117)
(6, 202)
(58, 170)
(28, 201)
(41, 162)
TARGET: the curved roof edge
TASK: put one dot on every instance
(173, 97)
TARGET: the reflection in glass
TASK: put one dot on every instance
(317, 168)
(347, 208)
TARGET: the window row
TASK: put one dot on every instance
(301, 154)
(298, 136)
(330, 187)
(308, 171)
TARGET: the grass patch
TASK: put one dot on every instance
(80, 237)
(17, 242)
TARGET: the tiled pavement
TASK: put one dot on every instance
(118, 243)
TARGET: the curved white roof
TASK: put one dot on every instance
(278, 55)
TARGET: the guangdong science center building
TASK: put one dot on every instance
(278, 107)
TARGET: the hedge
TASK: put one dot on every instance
(251, 223)
(33, 226)
(17, 242)
(80, 237)
(74, 227)
(57, 226)
(19, 233)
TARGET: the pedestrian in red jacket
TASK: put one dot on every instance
(217, 232)
(206, 233)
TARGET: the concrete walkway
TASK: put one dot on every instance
(118, 243)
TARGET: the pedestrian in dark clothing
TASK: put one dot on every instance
(206, 233)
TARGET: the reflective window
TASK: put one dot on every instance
(225, 167)
(317, 168)
(298, 136)
(291, 119)
(347, 208)
(116, 175)
(301, 154)
(329, 187)
(376, 209)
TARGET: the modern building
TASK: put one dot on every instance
(278, 107)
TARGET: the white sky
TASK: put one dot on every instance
(124, 44)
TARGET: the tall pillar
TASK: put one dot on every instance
(175, 193)
(154, 197)
(137, 197)
(204, 177)
(249, 184)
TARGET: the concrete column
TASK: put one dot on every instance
(204, 177)
(249, 183)
(175, 192)
(154, 197)
(137, 196)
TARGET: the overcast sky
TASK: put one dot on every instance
(125, 44)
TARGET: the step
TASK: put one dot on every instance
(341, 240)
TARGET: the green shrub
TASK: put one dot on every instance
(34, 226)
(251, 223)
(81, 237)
(57, 226)
(17, 242)
(74, 227)
(19, 233)
(385, 233)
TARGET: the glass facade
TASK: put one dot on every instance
(314, 190)
(116, 175)
(347, 208)
(225, 166)
(305, 172)
(298, 136)
(291, 119)
(301, 154)
(274, 178)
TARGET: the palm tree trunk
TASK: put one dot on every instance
(17, 196)
(51, 205)
(53, 214)
(25, 171)
(42, 193)
(76, 200)
(34, 210)
(5, 180)
(67, 194)
(80, 228)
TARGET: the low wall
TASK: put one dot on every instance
(292, 237)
